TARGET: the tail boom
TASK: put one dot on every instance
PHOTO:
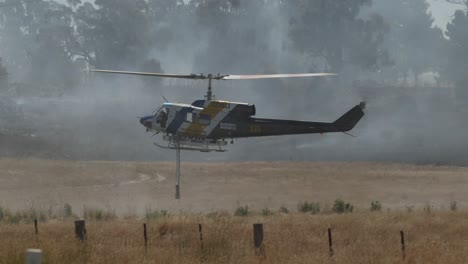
(257, 127)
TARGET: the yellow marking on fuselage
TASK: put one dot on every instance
(213, 109)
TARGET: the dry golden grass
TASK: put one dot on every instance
(42, 187)
(437, 237)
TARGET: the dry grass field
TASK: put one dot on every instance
(132, 187)
(439, 237)
(415, 198)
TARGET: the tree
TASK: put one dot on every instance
(459, 2)
(333, 32)
(113, 33)
(36, 40)
(3, 77)
(13, 41)
(52, 55)
(164, 16)
(413, 42)
(456, 69)
(236, 33)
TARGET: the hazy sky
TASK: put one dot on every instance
(442, 12)
(440, 9)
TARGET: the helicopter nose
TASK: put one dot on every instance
(146, 121)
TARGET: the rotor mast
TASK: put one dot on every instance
(209, 93)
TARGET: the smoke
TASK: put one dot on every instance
(99, 118)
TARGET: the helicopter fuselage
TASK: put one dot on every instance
(212, 121)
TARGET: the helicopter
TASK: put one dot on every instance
(207, 125)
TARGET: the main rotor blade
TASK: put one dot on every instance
(218, 77)
(180, 76)
(272, 76)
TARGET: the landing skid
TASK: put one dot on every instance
(193, 144)
(187, 148)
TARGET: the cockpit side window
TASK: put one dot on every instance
(189, 117)
(204, 119)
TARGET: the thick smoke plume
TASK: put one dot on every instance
(399, 64)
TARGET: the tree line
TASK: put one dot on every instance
(49, 43)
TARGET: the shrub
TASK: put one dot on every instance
(99, 214)
(155, 214)
(28, 215)
(341, 206)
(284, 210)
(409, 208)
(376, 206)
(427, 208)
(41, 216)
(242, 211)
(15, 218)
(453, 206)
(266, 212)
(218, 214)
(67, 210)
(306, 207)
(6, 215)
(50, 212)
(130, 215)
(10, 217)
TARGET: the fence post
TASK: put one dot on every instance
(35, 227)
(258, 239)
(201, 235)
(330, 242)
(403, 248)
(145, 237)
(80, 229)
(33, 256)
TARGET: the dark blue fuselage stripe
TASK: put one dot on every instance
(178, 120)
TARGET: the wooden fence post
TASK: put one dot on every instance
(258, 239)
(145, 236)
(80, 229)
(330, 242)
(35, 227)
(201, 235)
(403, 247)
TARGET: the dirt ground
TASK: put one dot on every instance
(133, 187)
